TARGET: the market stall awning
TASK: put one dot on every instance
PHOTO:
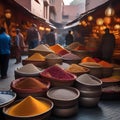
(76, 21)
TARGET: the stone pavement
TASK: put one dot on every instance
(5, 83)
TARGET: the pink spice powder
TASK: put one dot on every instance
(57, 73)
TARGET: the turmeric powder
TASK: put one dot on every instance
(74, 68)
(29, 106)
(36, 57)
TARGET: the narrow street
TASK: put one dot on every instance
(5, 83)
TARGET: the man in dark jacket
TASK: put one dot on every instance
(107, 45)
(50, 38)
(69, 38)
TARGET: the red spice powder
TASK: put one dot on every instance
(57, 73)
(63, 52)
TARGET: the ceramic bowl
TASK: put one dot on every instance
(22, 93)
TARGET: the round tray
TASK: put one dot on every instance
(6, 97)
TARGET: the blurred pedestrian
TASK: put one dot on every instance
(78, 37)
(107, 45)
(5, 43)
(50, 38)
(43, 40)
(33, 37)
(69, 38)
(19, 45)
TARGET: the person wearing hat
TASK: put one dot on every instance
(5, 44)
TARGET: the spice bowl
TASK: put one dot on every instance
(58, 76)
(95, 68)
(45, 115)
(28, 70)
(65, 100)
(60, 82)
(81, 53)
(90, 88)
(107, 71)
(71, 58)
(53, 61)
(26, 86)
(40, 64)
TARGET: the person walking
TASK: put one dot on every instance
(50, 38)
(5, 43)
(19, 45)
(33, 37)
(107, 45)
(69, 38)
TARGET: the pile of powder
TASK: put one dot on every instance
(28, 107)
(53, 56)
(88, 80)
(58, 73)
(29, 69)
(88, 59)
(105, 64)
(30, 83)
(36, 57)
(56, 48)
(42, 48)
(70, 56)
(63, 52)
(91, 64)
(74, 68)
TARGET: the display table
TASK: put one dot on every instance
(106, 110)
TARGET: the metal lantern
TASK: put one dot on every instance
(109, 11)
(107, 20)
(99, 21)
(90, 18)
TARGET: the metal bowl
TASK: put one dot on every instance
(90, 88)
(65, 99)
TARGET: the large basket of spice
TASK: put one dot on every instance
(30, 86)
(29, 108)
(28, 70)
(58, 76)
(36, 59)
(77, 69)
(71, 58)
(42, 49)
(52, 59)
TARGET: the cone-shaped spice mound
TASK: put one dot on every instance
(29, 107)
